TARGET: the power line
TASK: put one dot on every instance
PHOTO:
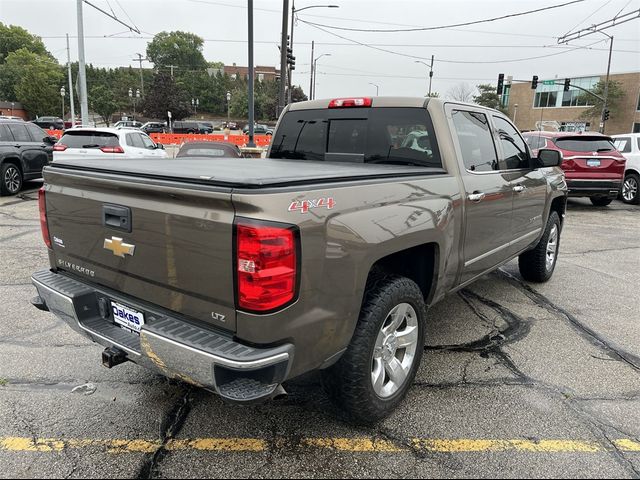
(589, 16)
(440, 27)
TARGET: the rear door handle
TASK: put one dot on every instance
(519, 188)
(476, 196)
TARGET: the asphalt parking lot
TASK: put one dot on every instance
(517, 380)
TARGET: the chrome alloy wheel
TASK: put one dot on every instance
(552, 247)
(395, 350)
(629, 189)
(12, 179)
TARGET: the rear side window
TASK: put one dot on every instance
(622, 144)
(584, 144)
(19, 132)
(89, 139)
(400, 136)
(476, 141)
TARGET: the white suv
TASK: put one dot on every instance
(106, 143)
(629, 146)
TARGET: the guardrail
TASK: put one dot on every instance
(180, 138)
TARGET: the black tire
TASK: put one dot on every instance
(348, 383)
(10, 179)
(601, 201)
(533, 263)
(631, 182)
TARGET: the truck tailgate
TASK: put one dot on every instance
(181, 234)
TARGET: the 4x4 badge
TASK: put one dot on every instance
(120, 249)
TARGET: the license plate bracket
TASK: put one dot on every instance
(127, 318)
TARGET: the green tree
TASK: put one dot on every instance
(182, 49)
(165, 95)
(33, 80)
(488, 97)
(615, 98)
(103, 102)
(14, 38)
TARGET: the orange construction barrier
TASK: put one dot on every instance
(180, 138)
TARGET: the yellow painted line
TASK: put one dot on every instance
(338, 444)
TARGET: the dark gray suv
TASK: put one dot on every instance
(24, 150)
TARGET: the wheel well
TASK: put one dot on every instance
(14, 161)
(416, 263)
(559, 205)
(631, 170)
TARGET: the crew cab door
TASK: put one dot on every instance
(529, 186)
(488, 193)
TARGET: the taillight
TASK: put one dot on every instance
(43, 217)
(266, 265)
(350, 102)
(59, 147)
(117, 149)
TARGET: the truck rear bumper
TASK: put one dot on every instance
(168, 344)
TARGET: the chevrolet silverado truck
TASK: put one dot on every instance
(239, 274)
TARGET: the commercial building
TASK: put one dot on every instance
(13, 109)
(261, 73)
(551, 108)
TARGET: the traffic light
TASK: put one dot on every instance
(534, 82)
(605, 115)
(567, 84)
(291, 60)
(500, 83)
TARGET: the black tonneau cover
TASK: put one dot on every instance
(244, 172)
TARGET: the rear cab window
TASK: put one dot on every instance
(383, 135)
(84, 139)
(585, 144)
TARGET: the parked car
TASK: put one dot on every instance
(24, 150)
(208, 149)
(629, 146)
(127, 123)
(239, 274)
(154, 127)
(206, 127)
(258, 129)
(592, 166)
(49, 123)
(189, 127)
(106, 143)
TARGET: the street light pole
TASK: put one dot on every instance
(251, 143)
(283, 58)
(315, 73)
(377, 87)
(228, 107)
(62, 92)
(430, 72)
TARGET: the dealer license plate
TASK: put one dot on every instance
(593, 163)
(127, 318)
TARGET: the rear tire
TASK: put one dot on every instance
(538, 264)
(374, 374)
(10, 179)
(601, 201)
(630, 189)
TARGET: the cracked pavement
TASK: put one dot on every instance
(504, 360)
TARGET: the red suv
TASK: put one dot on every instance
(592, 166)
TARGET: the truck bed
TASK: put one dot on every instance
(244, 172)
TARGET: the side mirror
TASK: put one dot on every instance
(49, 140)
(548, 158)
(160, 146)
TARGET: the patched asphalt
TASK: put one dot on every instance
(548, 376)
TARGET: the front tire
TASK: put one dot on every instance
(630, 191)
(601, 201)
(538, 264)
(374, 374)
(10, 179)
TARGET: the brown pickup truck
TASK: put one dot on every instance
(239, 274)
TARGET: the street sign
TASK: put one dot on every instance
(548, 82)
(169, 114)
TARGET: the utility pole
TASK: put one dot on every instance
(172, 67)
(71, 101)
(603, 119)
(430, 75)
(311, 82)
(289, 79)
(251, 143)
(82, 73)
(283, 56)
(140, 60)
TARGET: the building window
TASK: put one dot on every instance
(638, 103)
(550, 96)
(504, 100)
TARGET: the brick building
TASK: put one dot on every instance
(261, 73)
(551, 106)
(13, 109)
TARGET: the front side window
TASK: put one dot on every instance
(514, 148)
(37, 134)
(147, 142)
(475, 140)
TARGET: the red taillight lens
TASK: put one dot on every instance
(43, 217)
(350, 102)
(266, 266)
(59, 147)
(117, 149)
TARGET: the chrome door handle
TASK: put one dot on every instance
(476, 196)
(519, 188)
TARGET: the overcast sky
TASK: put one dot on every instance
(351, 68)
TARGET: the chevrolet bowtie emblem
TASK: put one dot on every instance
(118, 248)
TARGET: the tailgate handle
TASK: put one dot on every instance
(115, 216)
